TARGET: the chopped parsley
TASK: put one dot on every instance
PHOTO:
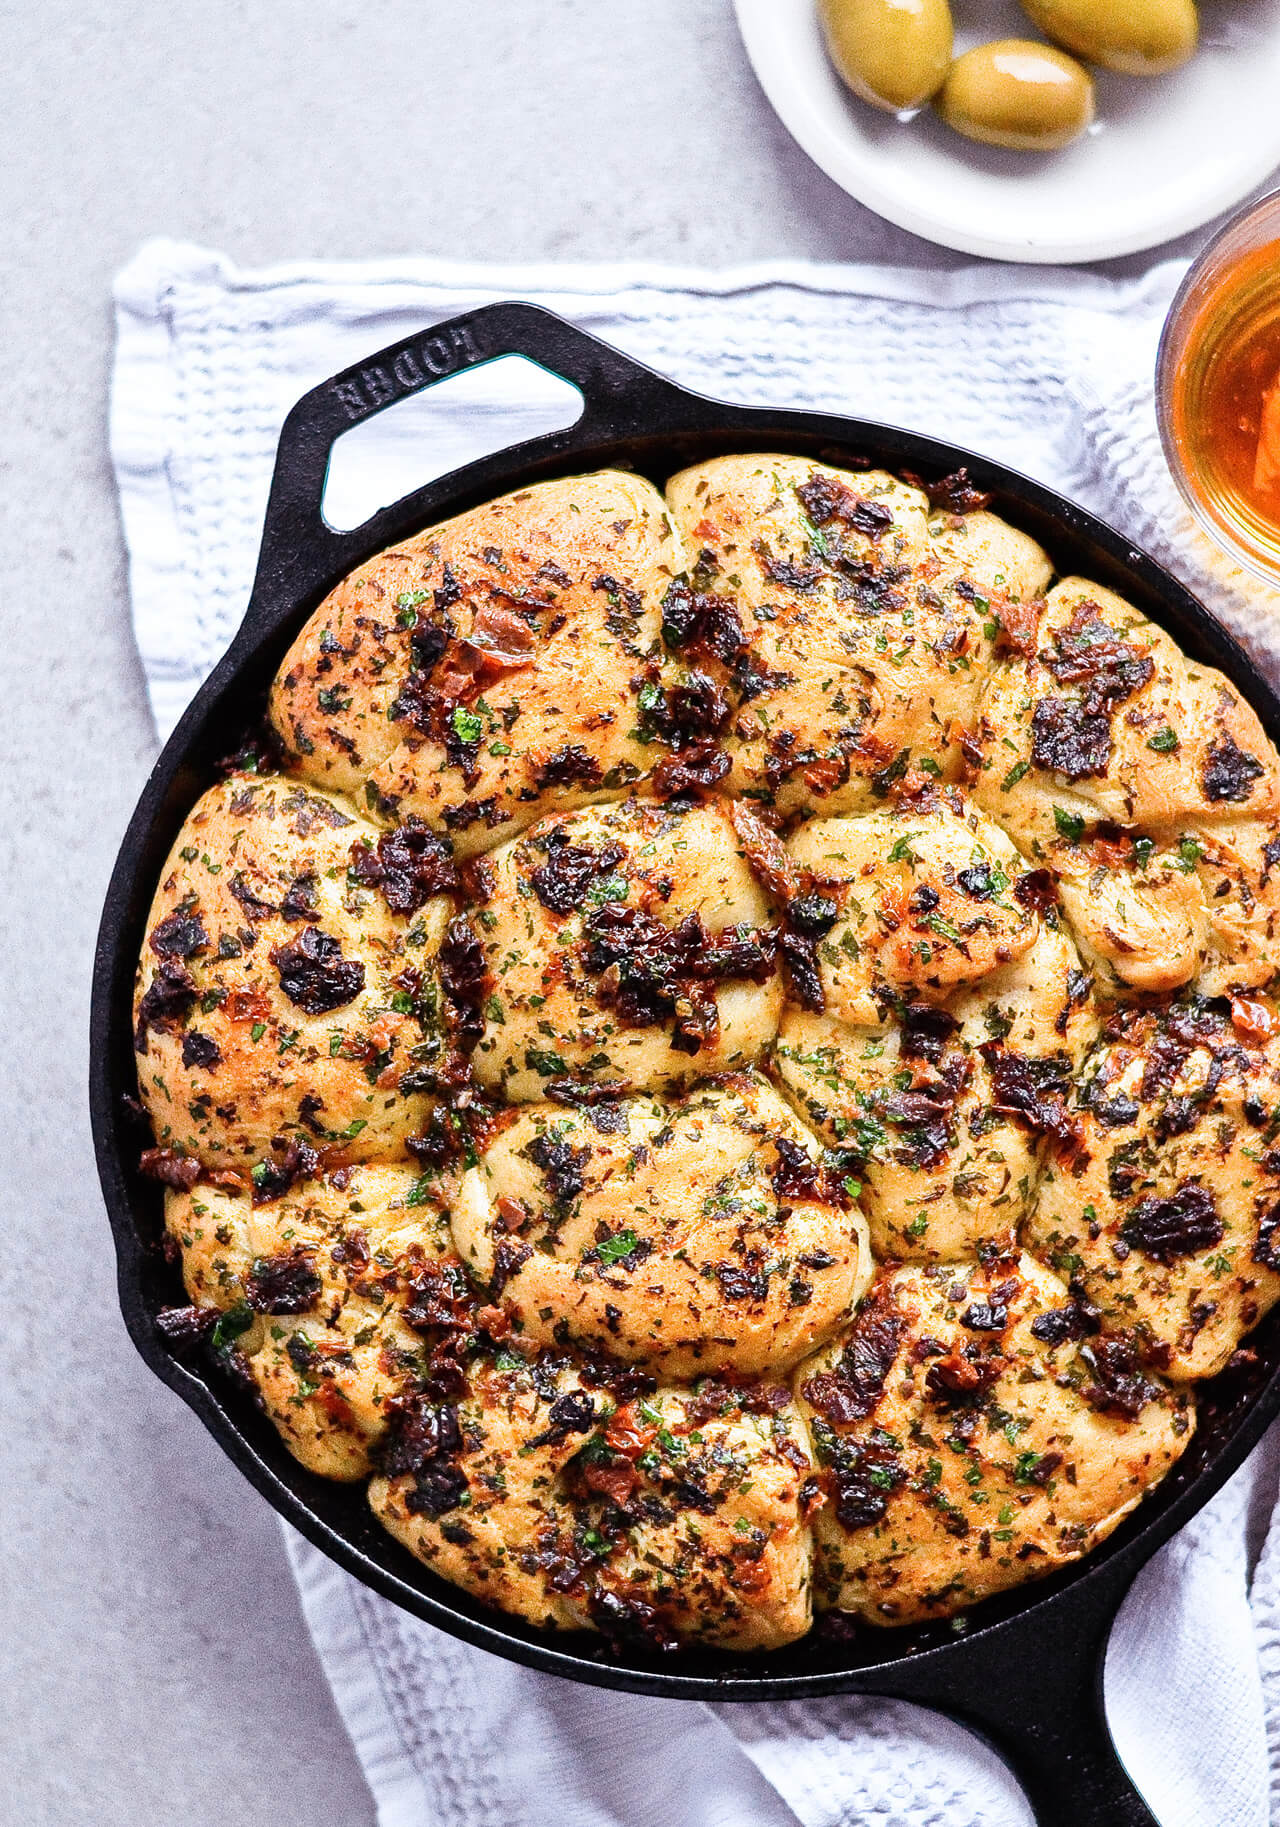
(232, 1323)
(615, 1248)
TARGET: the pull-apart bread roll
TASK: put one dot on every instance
(322, 1300)
(732, 1066)
(974, 1429)
(702, 1233)
(487, 671)
(276, 991)
(845, 640)
(671, 1517)
(1167, 1219)
(631, 945)
(473, 1487)
(945, 1022)
(1146, 785)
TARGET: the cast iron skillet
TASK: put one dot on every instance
(1026, 1671)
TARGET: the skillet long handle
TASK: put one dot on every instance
(301, 553)
(1033, 1688)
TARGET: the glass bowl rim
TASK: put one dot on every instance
(1242, 218)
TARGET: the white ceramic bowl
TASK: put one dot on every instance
(1167, 153)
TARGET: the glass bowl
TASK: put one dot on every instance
(1230, 280)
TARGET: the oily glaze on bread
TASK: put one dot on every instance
(724, 1056)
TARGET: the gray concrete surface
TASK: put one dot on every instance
(154, 1668)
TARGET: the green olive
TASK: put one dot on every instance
(1016, 93)
(1140, 37)
(893, 53)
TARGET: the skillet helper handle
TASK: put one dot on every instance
(300, 551)
(1033, 1688)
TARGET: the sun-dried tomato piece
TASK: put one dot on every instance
(180, 935)
(182, 1328)
(851, 1391)
(765, 851)
(313, 973)
(695, 769)
(1067, 739)
(408, 866)
(256, 907)
(301, 897)
(166, 1001)
(1229, 772)
(437, 1297)
(698, 622)
(1036, 890)
(956, 494)
(284, 1284)
(926, 1031)
(1017, 623)
(1072, 736)
(1089, 652)
(200, 1050)
(465, 980)
(1266, 1251)
(509, 1256)
(863, 1478)
(272, 1178)
(570, 766)
(170, 1168)
(572, 1413)
(561, 1166)
(614, 1479)
(1079, 1319)
(796, 1175)
(652, 974)
(787, 571)
(985, 1316)
(504, 637)
(1033, 1090)
(564, 880)
(1181, 1224)
(963, 1377)
(799, 958)
(924, 1114)
(1119, 1386)
(422, 1440)
(825, 499)
(623, 1618)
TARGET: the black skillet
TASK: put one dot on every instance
(1026, 1670)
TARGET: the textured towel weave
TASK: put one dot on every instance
(1049, 372)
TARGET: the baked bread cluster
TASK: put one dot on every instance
(722, 1056)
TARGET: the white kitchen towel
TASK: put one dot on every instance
(1051, 373)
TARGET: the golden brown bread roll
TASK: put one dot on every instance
(319, 1292)
(487, 670)
(275, 996)
(954, 1014)
(862, 638)
(974, 1431)
(629, 944)
(685, 1235)
(1166, 1216)
(1129, 772)
(675, 1517)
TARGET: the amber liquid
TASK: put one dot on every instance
(1226, 402)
